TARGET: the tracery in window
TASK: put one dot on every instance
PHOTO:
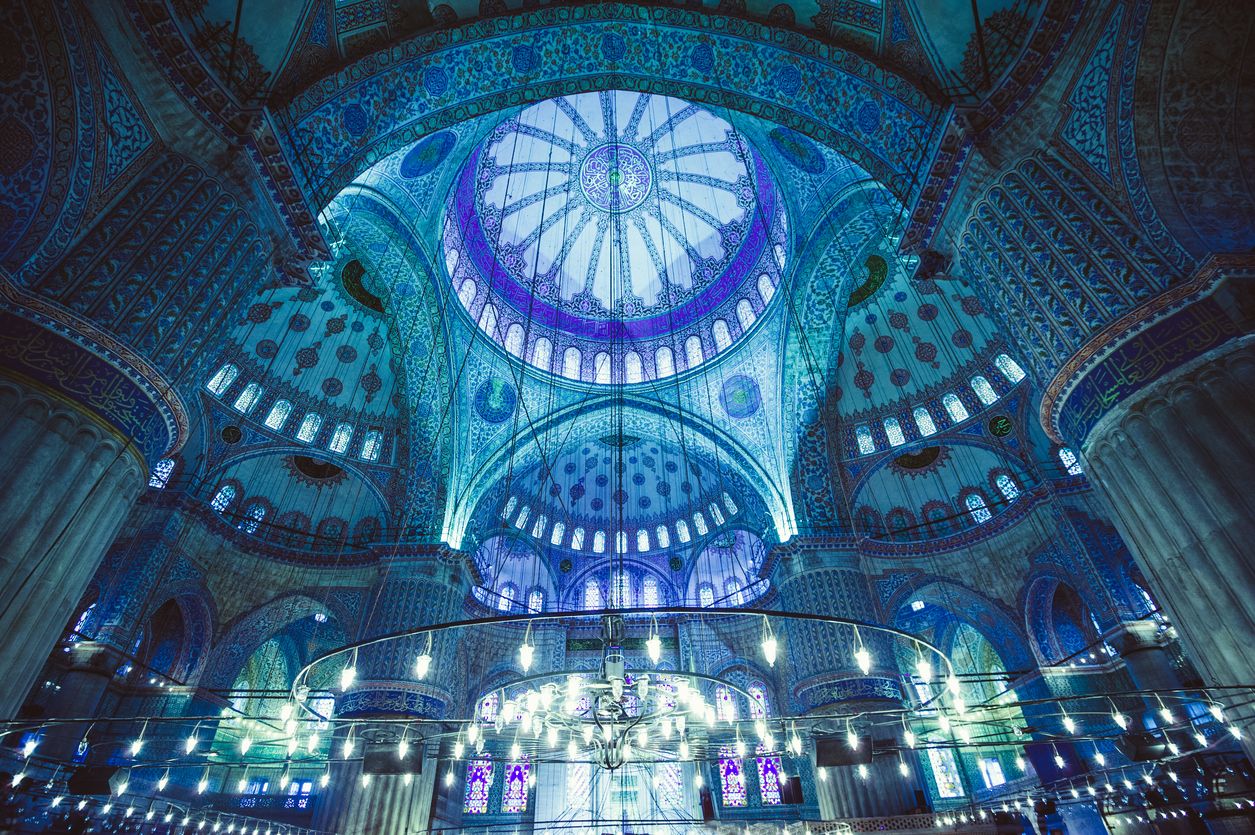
(664, 536)
(248, 398)
(599, 542)
(765, 288)
(732, 595)
(253, 514)
(489, 707)
(1009, 368)
(514, 795)
(222, 379)
(954, 407)
(705, 595)
(984, 391)
(758, 701)
(723, 338)
(924, 420)
(670, 786)
(508, 510)
(162, 470)
(1007, 487)
(521, 520)
(309, 427)
(571, 363)
(699, 524)
(620, 542)
(340, 438)
(693, 354)
(664, 362)
(478, 786)
(650, 597)
(536, 600)
(222, 500)
(642, 540)
(621, 592)
(682, 530)
(577, 539)
(725, 704)
(592, 594)
(505, 600)
(945, 771)
(731, 777)
(744, 314)
(370, 446)
(559, 531)
(542, 522)
(1070, 462)
(893, 431)
(866, 445)
(977, 507)
(278, 415)
(768, 777)
(730, 505)
(633, 370)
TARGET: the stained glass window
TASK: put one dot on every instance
(731, 777)
(732, 592)
(559, 531)
(699, 523)
(681, 530)
(536, 600)
(620, 542)
(693, 351)
(505, 601)
(945, 772)
(478, 786)
(161, 473)
(1007, 486)
(744, 314)
(954, 407)
(720, 332)
(893, 431)
(599, 542)
(489, 706)
(1070, 462)
(592, 594)
(716, 513)
(621, 593)
(222, 379)
(977, 507)
(758, 701)
(1009, 368)
(508, 510)
(577, 539)
(601, 367)
(579, 788)
(309, 427)
(765, 288)
(924, 420)
(664, 362)
(706, 595)
(222, 500)
(514, 796)
(248, 398)
(521, 521)
(983, 390)
(664, 536)
(866, 445)
(730, 505)
(768, 778)
(542, 353)
(632, 370)
(340, 439)
(253, 514)
(725, 704)
(542, 522)
(278, 415)
(571, 363)
(370, 446)
(466, 293)
(649, 591)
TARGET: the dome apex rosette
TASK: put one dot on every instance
(615, 237)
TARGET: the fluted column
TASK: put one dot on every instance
(1177, 465)
(67, 481)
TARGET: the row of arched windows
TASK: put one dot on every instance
(625, 592)
(953, 405)
(939, 516)
(642, 540)
(280, 412)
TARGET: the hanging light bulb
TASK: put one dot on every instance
(203, 783)
(1020, 764)
(903, 768)
(741, 749)
(1075, 794)
(189, 745)
(760, 728)
(515, 752)
(943, 722)
(29, 746)
(572, 750)
(770, 645)
(403, 747)
(526, 650)
(1120, 719)
(863, 772)
(607, 732)
(241, 785)
(851, 738)
(422, 664)
(697, 781)
(665, 726)
(312, 745)
(680, 722)
(365, 780)
(551, 735)
(952, 684)
(56, 801)
(587, 731)
(684, 749)
(163, 781)
(1165, 712)
(1216, 711)
(245, 744)
(861, 656)
(324, 779)
(448, 777)
(960, 706)
(642, 736)
(458, 748)
(1060, 762)
(823, 774)
(923, 667)
(1069, 723)
(17, 779)
(965, 734)
(1100, 758)
(349, 673)
(137, 744)
(347, 751)
(285, 779)
(909, 736)
(293, 744)
(1235, 731)
(1200, 739)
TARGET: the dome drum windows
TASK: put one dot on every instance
(248, 398)
(954, 407)
(222, 379)
(340, 438)
(977, 507)
(278, 415)
(309, 427)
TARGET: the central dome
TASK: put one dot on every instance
(615, 236)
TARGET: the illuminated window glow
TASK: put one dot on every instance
(725, 704)
(893, 431)
(592, 594)
(768, 778)
(161, 473)
(278, 415)
(222, 379)
(650, 596)
(977, 507)
(866, 445)
(309, 427)
(731, 778)
(340, 439)
(984, 391)
(945, 772)
(1007, 486)
(1009, 368)
(478, 786)
(514, 796)
(222, 500)
(954, 407)
(1070, 462)
(370, 446)
(248, 398)
(758, 701)
(924, 420)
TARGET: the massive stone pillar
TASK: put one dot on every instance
(1177, 463)
(825, 680)
(68, 477)
(417, 588)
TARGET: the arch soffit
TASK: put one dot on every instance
(878, 118)
(1006, 461)
(220, 471)
(977, 611)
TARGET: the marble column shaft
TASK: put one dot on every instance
(66, 485)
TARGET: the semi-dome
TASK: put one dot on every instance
(615, 236)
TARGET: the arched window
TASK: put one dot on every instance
(744, 314)
(924, 421)
(514, 794)
(79, 630)
(976, 506)
(571, 360)
(768, 777)
(1009, 368)
(521, 521)
(253, 514)
(162, 470)
(732, 592)
(759, 708)
(632, 370)
(508, 510)
(592, 594)
(699, 524)
(505, 600)
(650, 597)
(642, 540)
(538, 529)
(248, 398)
(725, 704)
(478, 785)
(730, 505)
(1070, 462)
(488, 320)
(664, 536)
(664, 362)
(340, 438)
(489, 707)
(984, 392)
(719, 330)
(693, 354)
(222, 500)
(466, 293)
(559, 531)
(866, 445)
(1007, 487)
(371, 445)
(451, 261)
(894, 432)
(222, 379)
(577, 539)
(278, 415)
(705, 595)
(954, 407)
(620, 542)
(715, 513)
(682, 530)
(601, 367)
(766, 289)
(309, 427)
(536, 600)
(542, 352)
(731, 778)
(621, 592)
(599, 542)
(514, 339)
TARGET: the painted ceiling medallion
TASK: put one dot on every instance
(615, 177)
